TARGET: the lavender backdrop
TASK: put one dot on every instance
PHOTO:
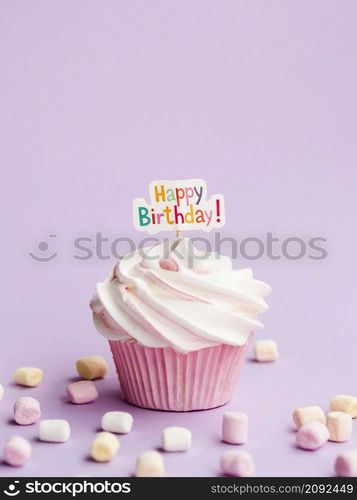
(98, 99)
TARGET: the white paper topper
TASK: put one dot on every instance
(178, 206)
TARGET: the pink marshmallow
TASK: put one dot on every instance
(27, 411)
(17, 451)
(82, 392)
(235, 427)
(312, 436)
(237, 463)
(346, 464)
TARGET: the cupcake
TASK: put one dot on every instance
(178, 322)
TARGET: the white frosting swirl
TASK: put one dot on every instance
(174, 295)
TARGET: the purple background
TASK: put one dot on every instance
(100, 98)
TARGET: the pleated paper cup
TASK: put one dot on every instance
(162, 379)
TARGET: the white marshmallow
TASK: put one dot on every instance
(235, 427)
(176, 439)
(104, 447)
(345, 403)
(2, 390)
(54, 431)
(266, 350)
(303, 416)
(149, 464)
(119, 422)
(339, 425)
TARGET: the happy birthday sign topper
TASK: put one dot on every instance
(178, 205)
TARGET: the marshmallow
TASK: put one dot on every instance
(237, 463)
(176, 439)
(347, 404)
(54, 431)
(104, 447)
(2, 390)
(149, 464)
(235, 427)
(346, 464)
(28, 376)
(266, 350)
(117, 421)
(82, 392)
(339, 425)
(92, 367)
(17, 451)
(312, 436)
(26, 411)
(303, 416)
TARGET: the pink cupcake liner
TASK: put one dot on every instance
(162, 379)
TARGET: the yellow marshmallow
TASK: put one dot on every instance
(339, 425)
(303, 416)
(92, 367)
(104, 447)
(28, 376)
(347, 404)
(149, 464)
